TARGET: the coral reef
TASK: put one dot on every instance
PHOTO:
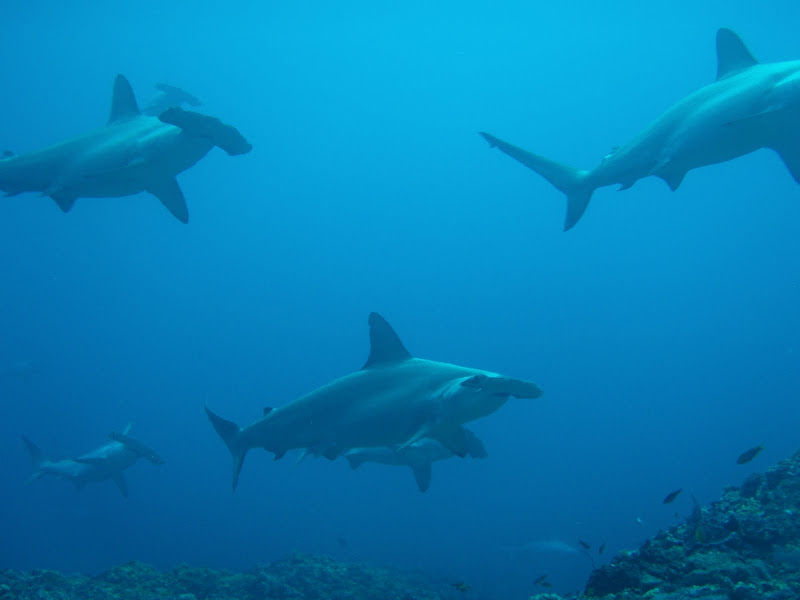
(294, 578)
(745, 546)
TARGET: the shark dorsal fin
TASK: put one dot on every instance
(732, 54)
(123, 102)
(384, 344)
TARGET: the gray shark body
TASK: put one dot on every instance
(394, 400)
(109, 461)
(133, 153)
(749, 106)
(418, 456)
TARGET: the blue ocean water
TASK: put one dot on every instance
(663, 328)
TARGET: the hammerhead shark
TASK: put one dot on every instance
(393, 400)
(133, 153)
(418, 456)
(109, 461)
(750, 106)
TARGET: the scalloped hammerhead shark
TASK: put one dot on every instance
(419, 456)
(109, 461)
(393, 400)
(133, 153)
(749, 106)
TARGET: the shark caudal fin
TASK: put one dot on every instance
(568, 180)
(230, 434)
(38, 459)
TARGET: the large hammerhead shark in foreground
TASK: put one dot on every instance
(749, 106)
(393, 400)
(133, 153)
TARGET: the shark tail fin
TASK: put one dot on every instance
(570, 181)
(230, 433)
(38, 458)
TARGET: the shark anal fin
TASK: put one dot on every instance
(123, 101)
(169, 193)
(64, 201)
(119, 479)
(422, 474)
(732, 54)
(384, 344)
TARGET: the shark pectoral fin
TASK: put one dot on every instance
(65, 202)
(171, 196)
(791, 158)
(422, 473)
(732, 54)
(475, 447)
(223, 136)
(454, 437)
(119, 479)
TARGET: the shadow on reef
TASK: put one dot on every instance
(297, 577)
(745, 546)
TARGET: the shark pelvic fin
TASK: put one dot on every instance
(384, 344)
(119, 479)
(422, 474)
(673, 179)
(568, 180)
(123, 101)
(732, 54)
(791, 158)
(171, 196)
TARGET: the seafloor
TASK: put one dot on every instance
(745, 546)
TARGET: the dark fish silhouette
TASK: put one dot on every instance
(461, 586)
(586, 545)
(602, 548)
(672, 495)
(540, 579)
(748, 455)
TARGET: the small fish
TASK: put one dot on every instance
(602, 548)
(639, 521)
(672, 495)
(540, 579)
(546, 584)
(748, 455)
(461, 587)
(586, 545)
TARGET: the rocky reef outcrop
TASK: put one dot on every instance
(294, 578)
(745, 546)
